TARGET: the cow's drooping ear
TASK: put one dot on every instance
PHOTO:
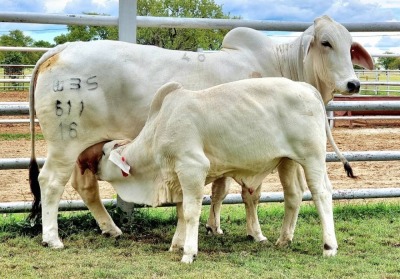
(361, 57)
(306, 44)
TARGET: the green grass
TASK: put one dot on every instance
(381, 90)
(17, 136)
(368, 237)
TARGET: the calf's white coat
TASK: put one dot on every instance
(243, 130)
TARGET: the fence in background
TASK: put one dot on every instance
(128, 21)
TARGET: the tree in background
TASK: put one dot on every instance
(389, 63)
(171, 38)
(17, 38)
(87, 33)
(183, 39)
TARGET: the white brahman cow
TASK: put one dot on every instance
(243, 130)
(87, 92)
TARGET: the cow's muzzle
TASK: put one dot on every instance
(353, 86)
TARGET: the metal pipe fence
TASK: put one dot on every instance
(167, 22)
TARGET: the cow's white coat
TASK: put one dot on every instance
(87, 92)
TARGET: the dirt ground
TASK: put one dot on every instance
(363, 136)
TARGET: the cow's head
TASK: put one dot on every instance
(329, 54)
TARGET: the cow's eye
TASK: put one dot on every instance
(326, 44)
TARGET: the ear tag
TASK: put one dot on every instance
(120, 161)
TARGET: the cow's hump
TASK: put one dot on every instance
(245, 38)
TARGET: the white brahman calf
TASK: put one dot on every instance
(243, 130)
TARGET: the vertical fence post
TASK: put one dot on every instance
(127, 25)
(127, 20)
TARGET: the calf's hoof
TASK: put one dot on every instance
(188, 259)
(257, 238)
(213, 230)
(329, 251)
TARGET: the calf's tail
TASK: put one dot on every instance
(346, 163)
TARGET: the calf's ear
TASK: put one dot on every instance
(90, 158)
(361, 57)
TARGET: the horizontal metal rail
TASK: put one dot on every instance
(22, 108)
(364, 117)
(15, 80)
(173, 22)
(24, 49)
(348, 194)
(363, 105)
(23, 163)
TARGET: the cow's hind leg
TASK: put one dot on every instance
(52, 178)
(251, 199)
(88, 188)
(321, 190)
(293, 183)
(219, 190)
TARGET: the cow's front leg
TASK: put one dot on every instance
(219, 190)
(292, 180)
(88, 188)
(251, 199)
(52, 180)
(178, 241)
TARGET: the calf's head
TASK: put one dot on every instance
(329, 55)
(104, 160)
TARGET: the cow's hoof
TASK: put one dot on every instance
(188, 259)
(115, 232)
(213, 230)
(282, 243)
(53, 244)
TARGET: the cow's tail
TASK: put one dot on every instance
(33, 165)
(346, 163)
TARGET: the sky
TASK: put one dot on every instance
(344, 11)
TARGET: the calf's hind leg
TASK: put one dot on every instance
(321, 190)
(88, 188)
(251, 198)
(219, 190)
(293, 183)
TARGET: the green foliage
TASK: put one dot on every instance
(87, 33)
(182, 39)
(171, 38)
(18, 136)
(389, 63)
(16, 38)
